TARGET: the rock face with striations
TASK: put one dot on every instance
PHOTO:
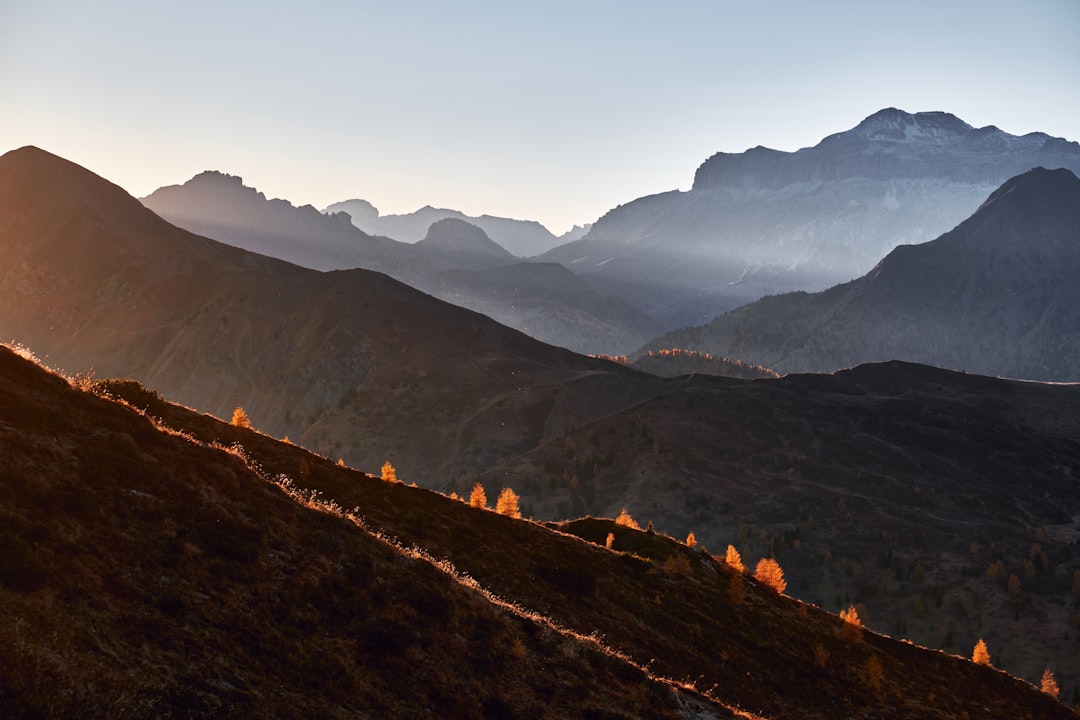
(997, 295)
(764, 222)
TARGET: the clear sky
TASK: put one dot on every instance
(554, 111)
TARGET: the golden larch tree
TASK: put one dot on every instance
(980, 655)
(769, 573)
(734, 559)
(1049, 684)
(507, 504)
(389, 474)
(240, 418)
(691, 541)
(627, 521)
(478, 498)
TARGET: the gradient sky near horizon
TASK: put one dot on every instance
(554, 111)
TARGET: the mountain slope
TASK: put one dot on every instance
(764, 222)
(221, 207)
(147, 575)
(996, 295)
(194, 587)
(342, 361)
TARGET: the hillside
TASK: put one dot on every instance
(996, 295)
(897, 486)
(148, 575)
(193, 586)
(764, 222)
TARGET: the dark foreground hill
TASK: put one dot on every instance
(156, 573)
(148, 575)
(997, 295)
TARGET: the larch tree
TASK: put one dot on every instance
(734, 559)
(1049, 684)
(240, 418)
(507, 504)
(389, 474)
(980, 655)
(769, 573)
(478, 498)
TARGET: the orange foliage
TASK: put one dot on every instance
(478, 498)
(980, 656)
(769, 573)
(507, 504)
(625, 520)
(240, 418)
(734, 559)
(1049, 684)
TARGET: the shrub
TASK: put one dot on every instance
(769, 573)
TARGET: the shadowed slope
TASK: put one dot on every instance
(147, 575)
(997, 295)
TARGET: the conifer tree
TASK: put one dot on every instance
(1049, 684)
(240, 418)
(389, 474)
(507, 504)
(478, 498)
(981, 655)
(734, 559)
(769, 573)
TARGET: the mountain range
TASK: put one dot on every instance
(917, 494)
(764, 222)
(523, 238)
(996, 295)
(454, 260)
(175, 566)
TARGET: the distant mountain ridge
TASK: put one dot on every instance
(523, 238)
(763, 222)
(997, 295)
(575, 315)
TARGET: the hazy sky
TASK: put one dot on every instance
(554, 111)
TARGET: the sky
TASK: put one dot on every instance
(555, 111)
